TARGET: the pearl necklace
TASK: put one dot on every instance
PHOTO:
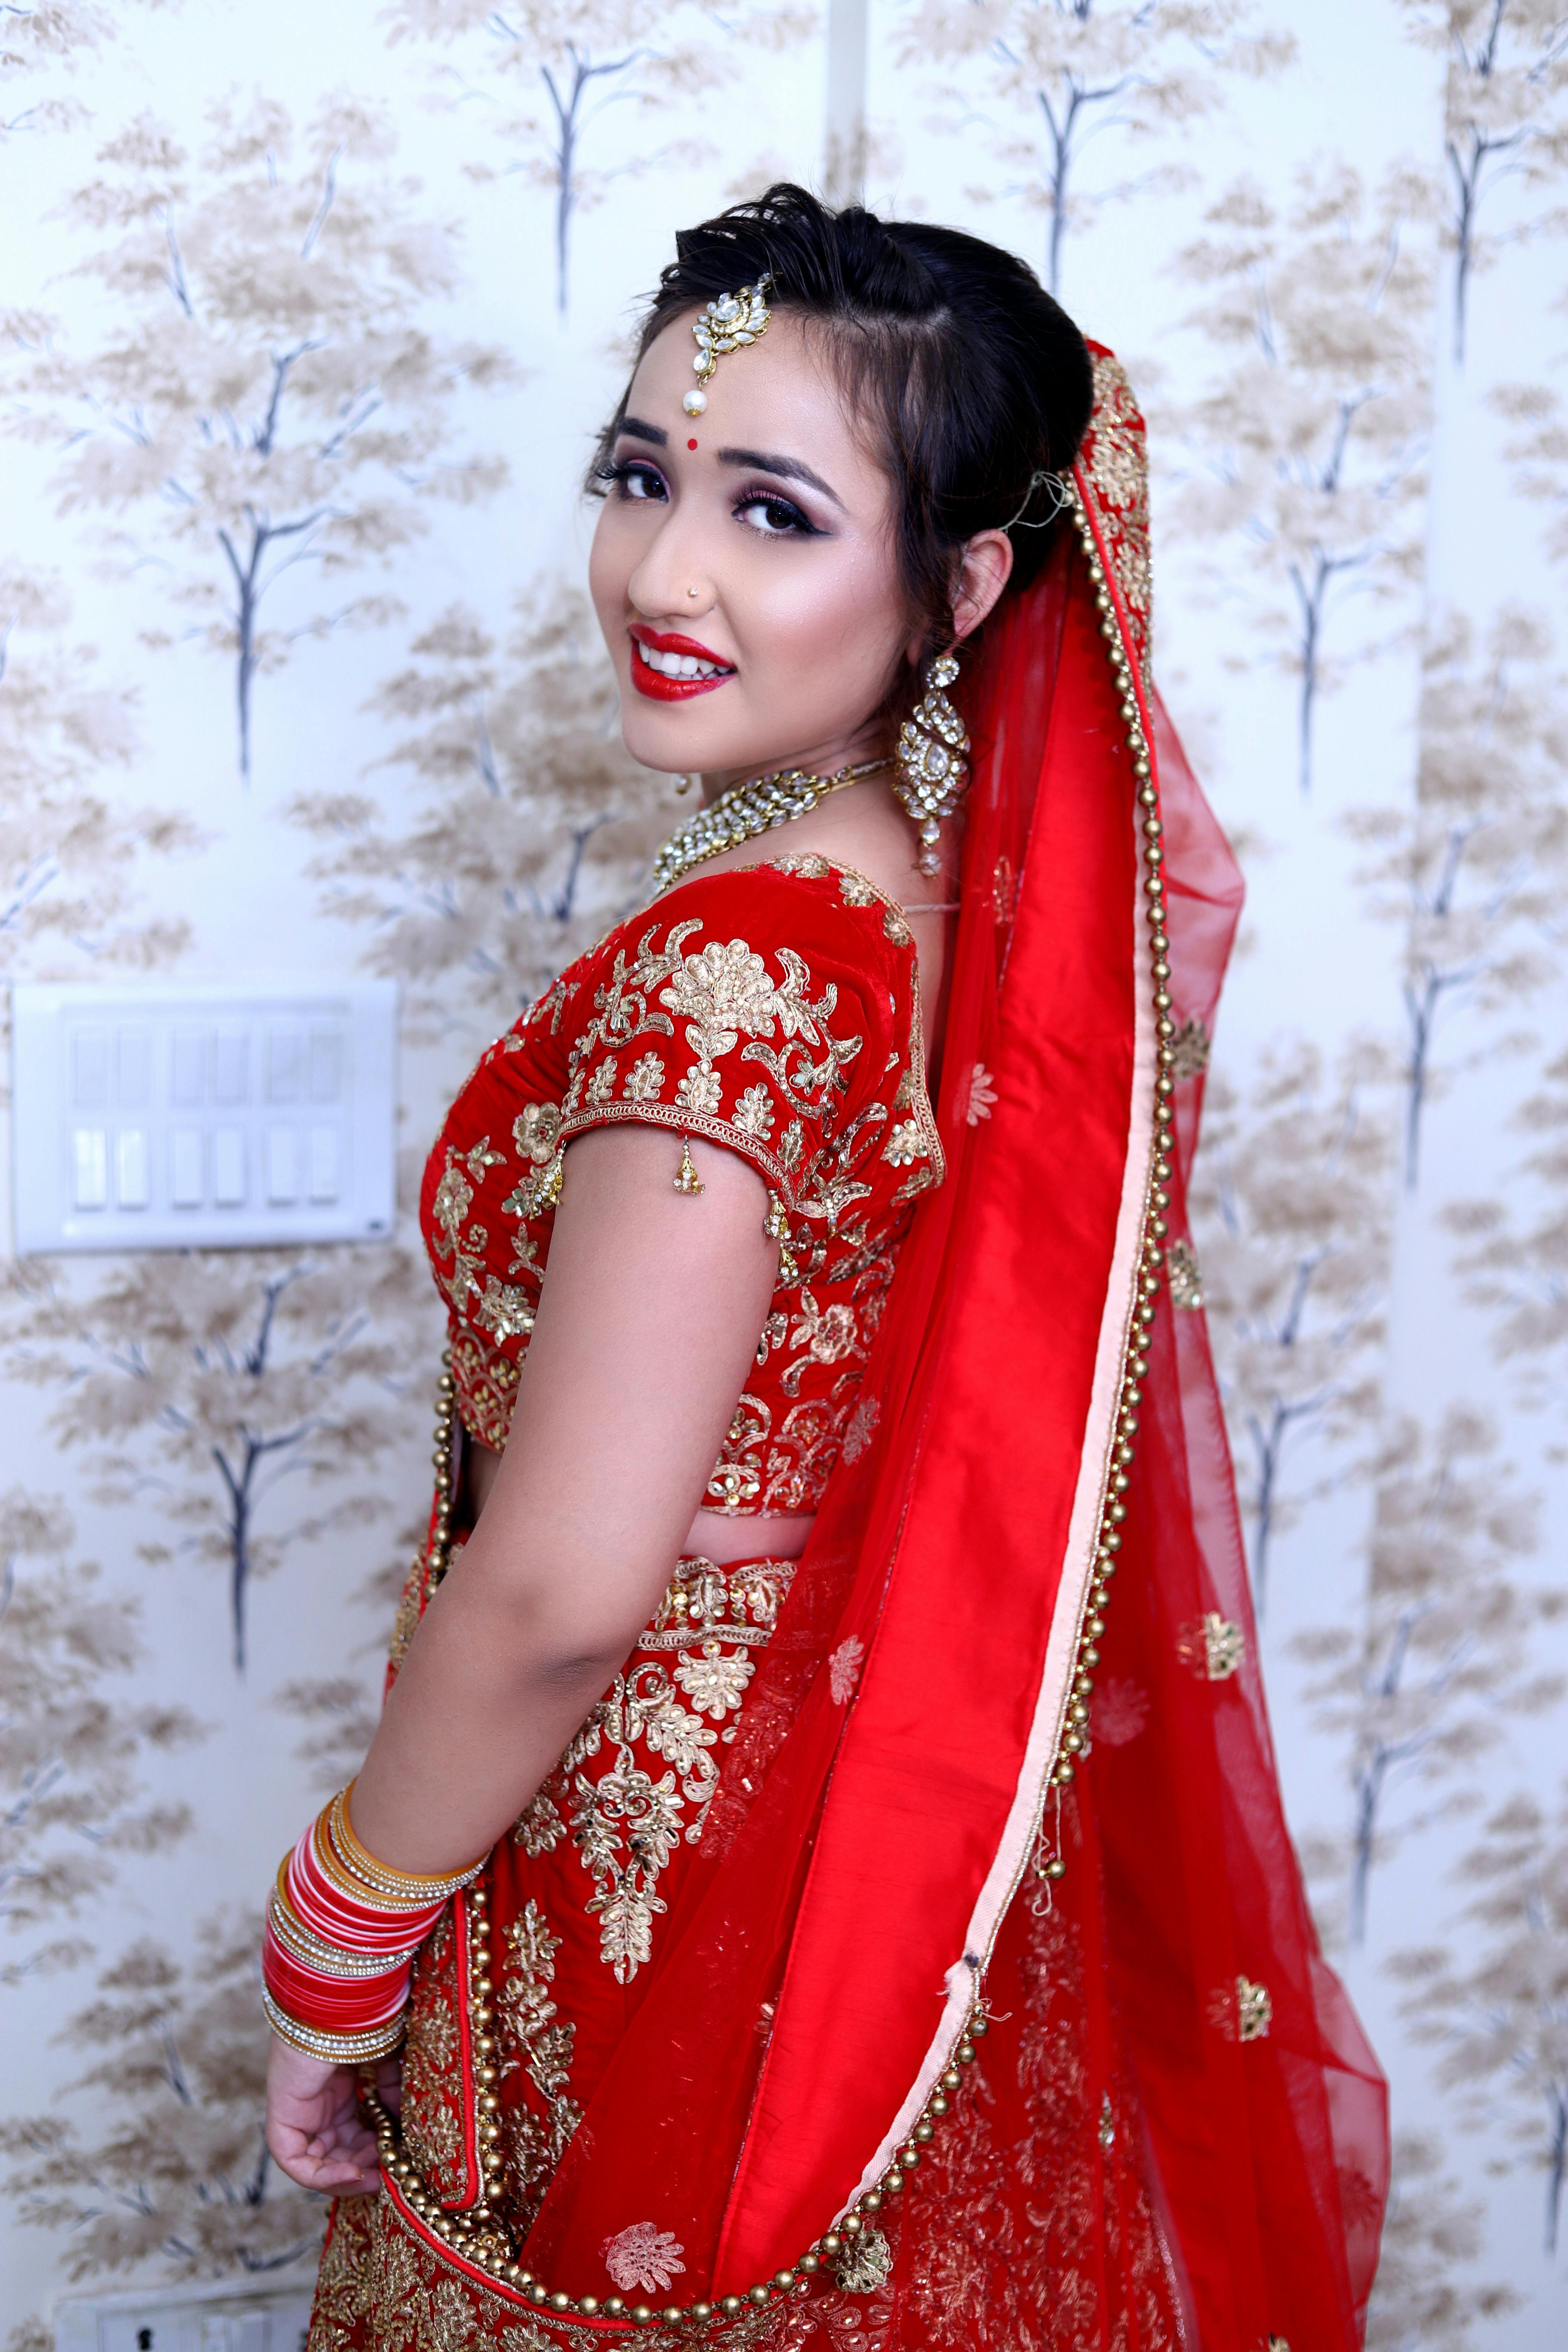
(747, 810)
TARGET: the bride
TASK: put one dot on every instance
(832, 1638)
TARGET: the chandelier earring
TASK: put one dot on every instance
(931, 769)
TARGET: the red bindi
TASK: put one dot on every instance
(691, 445)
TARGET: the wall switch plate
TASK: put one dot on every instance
(229, 2316)
(152, 1116)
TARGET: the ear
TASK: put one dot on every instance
(984, 572)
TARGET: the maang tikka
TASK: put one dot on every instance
(727, 324)
(933, 766)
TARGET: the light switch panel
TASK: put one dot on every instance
(150, 1117)
(231, 2316)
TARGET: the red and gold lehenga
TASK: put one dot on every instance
(908, 1952)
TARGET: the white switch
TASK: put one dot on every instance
(326, 1066)
(90, 1185)
(187, 1080)
(282, 1164)
(228, 1166)
(133, 1078)
(91, 1068)
(323, 1164)
(284, 1055)
(131, 1170)
(230, 1071)
(185, 1167)
(151, 1114)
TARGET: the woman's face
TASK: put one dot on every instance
(744, 568)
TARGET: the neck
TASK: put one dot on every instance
(867, 742)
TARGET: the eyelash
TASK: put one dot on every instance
(622, 471)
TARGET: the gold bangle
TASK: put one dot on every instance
(346, 1881)
(331, 1959)
(340, 2049)
(397, 1885)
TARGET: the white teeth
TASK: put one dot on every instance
(678, 665)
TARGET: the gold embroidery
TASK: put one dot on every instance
(1254, 2009)
(1215, 1647)
(1189, 1051)
(626, 1823)
(1185, 1276)
(855, 890)
(538, 1828)
(532, 2026)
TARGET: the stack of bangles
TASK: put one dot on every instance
(341, 1932)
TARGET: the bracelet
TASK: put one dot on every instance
(338, 2049)
(395, 1888)
(329, 1960)
(342, 1933)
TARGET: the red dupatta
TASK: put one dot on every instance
(826, 1957)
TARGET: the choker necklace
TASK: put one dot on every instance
(747, 810)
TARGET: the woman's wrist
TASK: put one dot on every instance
(341, 1931)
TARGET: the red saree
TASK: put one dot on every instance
(989, 2013)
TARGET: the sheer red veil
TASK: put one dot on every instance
(828, 1955)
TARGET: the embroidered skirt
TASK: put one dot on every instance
(1029, 2224)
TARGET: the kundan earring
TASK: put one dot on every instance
(932, 765)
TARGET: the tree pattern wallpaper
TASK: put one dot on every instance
(309, 329)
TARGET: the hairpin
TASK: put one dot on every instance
(725, 325)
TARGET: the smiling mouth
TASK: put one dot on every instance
(673, 668)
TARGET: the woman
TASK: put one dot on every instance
(814, 1441)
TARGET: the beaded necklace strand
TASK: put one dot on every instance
(747, 810)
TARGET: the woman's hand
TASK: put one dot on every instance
(314, 2127)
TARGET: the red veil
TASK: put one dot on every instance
(821, 1968)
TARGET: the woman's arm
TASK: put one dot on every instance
(647, 1327)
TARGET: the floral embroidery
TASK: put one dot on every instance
(627, 1824)
(538, 2043)
(1213, 1648)
(644, 1079)
(903, 1146)
(1189, 1051)
(844, 1670)
(538, 1828)
(660, 1022)
(644, 2255)
(537, 1130)
(754, 1112)
(1120, 1712)
(862, 1423)
(981, 1095)
(1185, 1276)
(827, 1332)
(700, 1091)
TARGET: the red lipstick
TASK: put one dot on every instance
(653, 682)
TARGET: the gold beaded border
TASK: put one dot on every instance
(478, 2237)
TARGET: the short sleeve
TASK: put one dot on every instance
(768, 1010)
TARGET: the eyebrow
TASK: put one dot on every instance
(789, 468)
(641, 432)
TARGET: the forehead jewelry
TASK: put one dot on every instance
(725, 325)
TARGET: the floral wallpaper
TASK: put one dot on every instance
(305, 350)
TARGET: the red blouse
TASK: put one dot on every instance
(774, 1010)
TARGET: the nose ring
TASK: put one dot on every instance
(691, 591)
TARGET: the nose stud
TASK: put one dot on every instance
(691, 591)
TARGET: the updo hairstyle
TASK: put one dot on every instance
(969, 379)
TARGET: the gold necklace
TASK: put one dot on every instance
(747, 810)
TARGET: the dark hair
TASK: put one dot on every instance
(972, 379)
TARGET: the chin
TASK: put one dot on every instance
(671, 736)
